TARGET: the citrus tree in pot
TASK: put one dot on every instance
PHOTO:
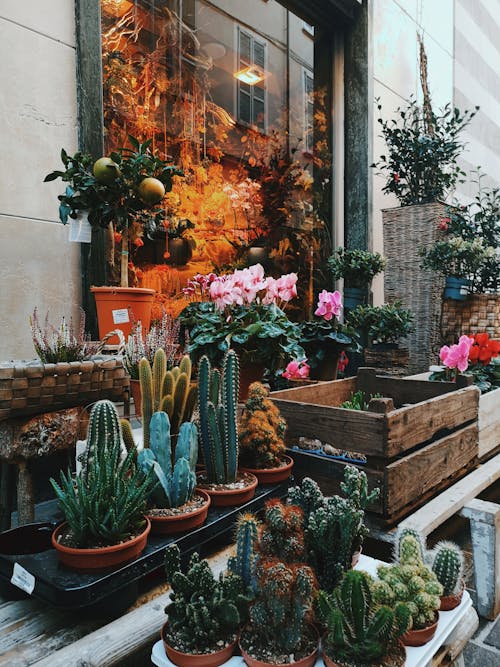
(121, 193)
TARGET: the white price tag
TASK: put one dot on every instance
(120, 316)
(22, 579)
(80, 229)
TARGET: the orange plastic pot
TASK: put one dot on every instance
(422, 636)
(101, 558)
(449, 602)
(307, 661)
(196, 659)
(119, 307)
(272, 475)
(180, 523)
(231, 497)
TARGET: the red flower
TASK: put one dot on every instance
(138, 242)
(117, 237)
(343, 361)
(483, 349)
(396, 177)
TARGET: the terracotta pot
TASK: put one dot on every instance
(135, 390)
(230, 497)
(249, 373)
(449, 602)
(119, 307)
(196, 660)
(101, 558)
(355, 557)
(331, 663)
(307, 661)
(180, 523)
(272, 475)
(422, 636)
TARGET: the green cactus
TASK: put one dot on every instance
(218, 400)
(147, 400)
(106, 505)
(448, 566)
(204, 613)
(127, 436)
(244, 562)
(176, 482)
(358, 630)
(415, 548)
(158, 373)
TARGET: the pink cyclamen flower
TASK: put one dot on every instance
(457, 356)
(287, 286)
(329, 304)
(297, 370)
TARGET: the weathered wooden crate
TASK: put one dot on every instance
(420, 438)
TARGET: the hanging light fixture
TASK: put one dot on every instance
(250, 75)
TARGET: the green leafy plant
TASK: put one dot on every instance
(204, 613)
(356, 267)
(448, 566)
(358, 630)
(382, 324)
(423, 148)
(106, 503)
(359, 401)
(322, 338)
(456, 257)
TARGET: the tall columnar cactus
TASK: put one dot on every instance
(244, 562)
(448, 566)
(261, 430)
(204, 612)
(358, 630)
(175, 473)
(218, 401)
(103, 433)
(169, 391)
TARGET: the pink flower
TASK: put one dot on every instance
(457, 356)
(329, 304)
(287, 286)
(296, 370)
(271, 288)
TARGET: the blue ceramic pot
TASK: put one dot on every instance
(456, 288)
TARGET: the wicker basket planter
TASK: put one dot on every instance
(406, 229)
(478, 313)
(394, 361)
(30, 387)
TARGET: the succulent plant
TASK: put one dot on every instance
(106, 503)
(244, 562)
(358, 629)
(175, 471)
(204, 611)
(448, 566)
(218, 400)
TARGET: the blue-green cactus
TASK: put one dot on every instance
(244, 562)
(177, 481)
(218, 400)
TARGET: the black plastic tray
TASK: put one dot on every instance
(65, 588)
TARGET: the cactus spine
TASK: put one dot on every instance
(448, 566)
(244, 562)
(218, 400)
(176, 482)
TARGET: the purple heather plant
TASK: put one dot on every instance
(64, 343)
(164, 335)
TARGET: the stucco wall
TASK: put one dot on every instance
(38, 266)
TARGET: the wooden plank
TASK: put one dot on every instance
(415, 424)
(444, 506)
(489, 423)
(323, 393)
(456, 642)
(410, 478)
(346, 429)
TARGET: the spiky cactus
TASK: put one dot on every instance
(218, 401)
(414, 548)
(174, 471)
(127, 435)
(282, 535)
(448, 566)
(204, 613)
(358, 630)
(106, 504)
(261, 430)
(244, 562)
(169, 391)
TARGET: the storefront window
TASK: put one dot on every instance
(229, 89)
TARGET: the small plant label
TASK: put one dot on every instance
(22, 579)
(80, 230)
(120, 316)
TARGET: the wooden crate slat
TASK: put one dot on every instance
(422, 471)
(323, 393)
(489, 423)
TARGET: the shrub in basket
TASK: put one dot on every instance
(278, 631)
(261, 431)
(382, 325)
(105, 506)
(204, 614)
(359, 632)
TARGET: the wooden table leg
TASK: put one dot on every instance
(7, 485)
(25, 498)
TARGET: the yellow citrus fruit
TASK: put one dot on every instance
(151, 190)
(105, 170)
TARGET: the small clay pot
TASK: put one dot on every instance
(197, 659)
(272, 475)
(222, 497)
(100, 558)
(449, 602)
(181, 523)
(422, 636)
(307, 661)
(355, 557)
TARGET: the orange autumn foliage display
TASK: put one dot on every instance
(261, 430)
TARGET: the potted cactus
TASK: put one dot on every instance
(105, 506)
(177, 506)
(448, 566)
(358, 631)
(204, 614)
(279, 630)
(217, 403)
(410, 581)
(261, 431)
(244, 562)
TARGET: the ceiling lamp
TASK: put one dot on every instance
(250, 75)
